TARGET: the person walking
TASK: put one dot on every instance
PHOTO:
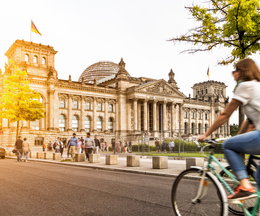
(26, 149)
(97, 144)
(19, 148)
(73, 143)
(246, 94)
(62, 146)
(89, 145)
(171, 146)
(79, 146)
(157, 144)
(44, 147)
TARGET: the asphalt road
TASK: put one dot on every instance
(36, 188)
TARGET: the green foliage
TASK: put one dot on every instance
(229, 23)
(234, 129)
(17, 101)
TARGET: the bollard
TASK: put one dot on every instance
(133, 160)
(111, 159)
(94, 158)
(56, 156)
(41, 155)
(80, 157)
(194, 162)
(160, 162)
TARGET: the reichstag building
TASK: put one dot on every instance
(107, 101)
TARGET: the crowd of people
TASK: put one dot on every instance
(164, 145)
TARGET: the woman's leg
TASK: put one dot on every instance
(247, 143)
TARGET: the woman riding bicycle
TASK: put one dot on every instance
(247, 94)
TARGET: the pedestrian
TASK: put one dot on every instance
(97, 144)
(79, 146)
(19, 148)
(62, 146)
(26, 149)
(246, 94)
(49, 146)
(164, 145)
(73, 144)
(157, 144)
(82, 144)
(89, 145)
(171, 146)
(44, 147)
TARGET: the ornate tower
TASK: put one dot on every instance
(36, 59)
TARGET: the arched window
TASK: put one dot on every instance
(110, 108)
(35, 59)
(99, 124)
(110, 125)
(75, 123)
(35, 125)
(43, 60)
(26, 57)
(87, 123)
(62, 103)
(62, 122)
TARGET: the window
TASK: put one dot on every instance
(26, 57)
(35, 59)
(35, 125)
(75, 123)
(99, 124)
(43, 60)
(193, 115)
(185, 128)
(200, 116)
(62, 122)
(206, 116)
(186, 115)
(110, 108)
(206, 127)
(75, 104)
(99, 106)
(87, 123)
(88, 105)
(192, 128)
(199, 128)
(110, 125)
(62, 103)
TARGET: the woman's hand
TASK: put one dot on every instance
(201, 138)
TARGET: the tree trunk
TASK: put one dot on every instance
(17, 129)
(241, 115)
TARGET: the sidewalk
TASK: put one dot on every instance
(174, 166)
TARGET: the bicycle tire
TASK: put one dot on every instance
(234, 208)
(184, 189)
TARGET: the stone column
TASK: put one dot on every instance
(164, 125)
(51, 109)
(105, 115)
(69, 116)
(203, 122)
(81, 119)
(135, 114)
(181, 126)
(172, 120)
(154, 115)
(145, 115)
(94, 120)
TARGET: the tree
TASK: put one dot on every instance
(233, 129)
(230, 23)
(17, 101)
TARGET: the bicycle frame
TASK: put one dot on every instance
(211, 168)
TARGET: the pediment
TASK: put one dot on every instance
(160, 87)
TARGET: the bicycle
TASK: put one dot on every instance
(202, 190)
(251, 166)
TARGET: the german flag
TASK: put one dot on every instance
(34, 29)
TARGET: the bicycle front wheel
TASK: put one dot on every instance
(188, 200)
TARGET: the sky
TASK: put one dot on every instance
(85, 32)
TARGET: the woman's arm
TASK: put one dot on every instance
(222, 118)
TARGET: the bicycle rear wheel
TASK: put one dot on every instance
(185, 189)
(234, 208)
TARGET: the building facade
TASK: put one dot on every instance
(107, 101)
